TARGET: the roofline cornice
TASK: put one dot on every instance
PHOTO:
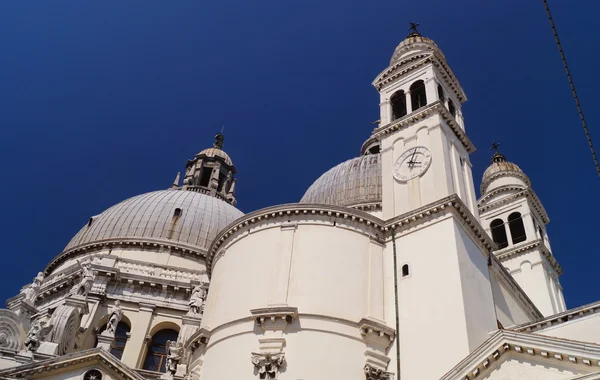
(523, 249)
(480, 361)
(420, 114)
(504, 173)
(526, 192)
(125, 242)
(560, 318)
(376, 227)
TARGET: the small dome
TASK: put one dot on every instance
(500, 173)
(352, 183)
(414, 42)
(216, 152)
(153, 217)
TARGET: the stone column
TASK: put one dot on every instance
(134, 349)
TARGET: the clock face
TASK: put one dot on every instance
(412, 163)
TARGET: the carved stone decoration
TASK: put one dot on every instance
(36, 334)
(268, 364)
(33, 289)
(87, 279)
(175, 352)
(66, 321)
(373, 373)
(113, 320)
(10, 330)
(197, 298)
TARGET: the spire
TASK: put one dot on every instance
(175, 184)
(497, 157)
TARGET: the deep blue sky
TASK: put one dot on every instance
(100, 101)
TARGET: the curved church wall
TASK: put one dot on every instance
(317, 266)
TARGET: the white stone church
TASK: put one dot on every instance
(389, 267)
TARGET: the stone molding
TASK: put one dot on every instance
(414, 117)
(126, 242)
(504, 173)
(522, 192)
(481, 361)
(560, 318)
(376, 227)
(528, 247)
(376, 332)
(274, 318)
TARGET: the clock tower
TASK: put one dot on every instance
(441, 258)
(421, 130)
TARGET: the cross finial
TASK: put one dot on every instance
(413, 28)
(495, 146)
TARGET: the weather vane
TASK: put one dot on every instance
(413, 28)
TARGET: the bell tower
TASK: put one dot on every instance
(421, 129)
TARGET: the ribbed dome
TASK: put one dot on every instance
(216, 152)
(502, 172)
(152, 217)
(414, 42)
(351, 183)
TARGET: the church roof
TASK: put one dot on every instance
(354, 182)
(502, 168)
(153, 217)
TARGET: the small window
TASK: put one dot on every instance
(90, 221)
(177, 213)
(451, 108)
(405, 270)
(517, 228)
(398, 102)
(418, 97)
(499, 233)
(440, 92)
(92, 374)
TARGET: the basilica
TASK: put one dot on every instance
(389, 267)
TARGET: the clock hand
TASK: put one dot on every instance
(412, 157)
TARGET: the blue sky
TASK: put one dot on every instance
(100, 101)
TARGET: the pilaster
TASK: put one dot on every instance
(135, 348)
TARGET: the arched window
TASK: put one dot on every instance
(499, 233)
(398, 101)
(440, 92)
(418, 97)
(405, 270)
(517, 229)
(156, 357)
(451, 108)
(120, 339)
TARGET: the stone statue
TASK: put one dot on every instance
(87, 279)
(37, 333)
(197, 299)
(33, 289)
(115, 317)
(227, 183)
(175, 352)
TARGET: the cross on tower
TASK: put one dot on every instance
(413, 28)
(495, 146)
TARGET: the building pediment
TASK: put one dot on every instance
(74, 365)
(509, 355)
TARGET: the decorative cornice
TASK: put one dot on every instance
(482, 360)
(560, 318)
(377, 332)
(527, 247)
(487, 180)
(274, 313)
(126, 242)
(414, 117)
(522, 192)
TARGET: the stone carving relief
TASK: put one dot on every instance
(10, 330)
(268, 364)
(33, 289)
(197, 299)
(175, 352)
(113, 320)
(66, 321)
(373, 373)
(87, 279)
(36, 334)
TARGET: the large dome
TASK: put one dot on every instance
(355, 182)
(153, 217)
